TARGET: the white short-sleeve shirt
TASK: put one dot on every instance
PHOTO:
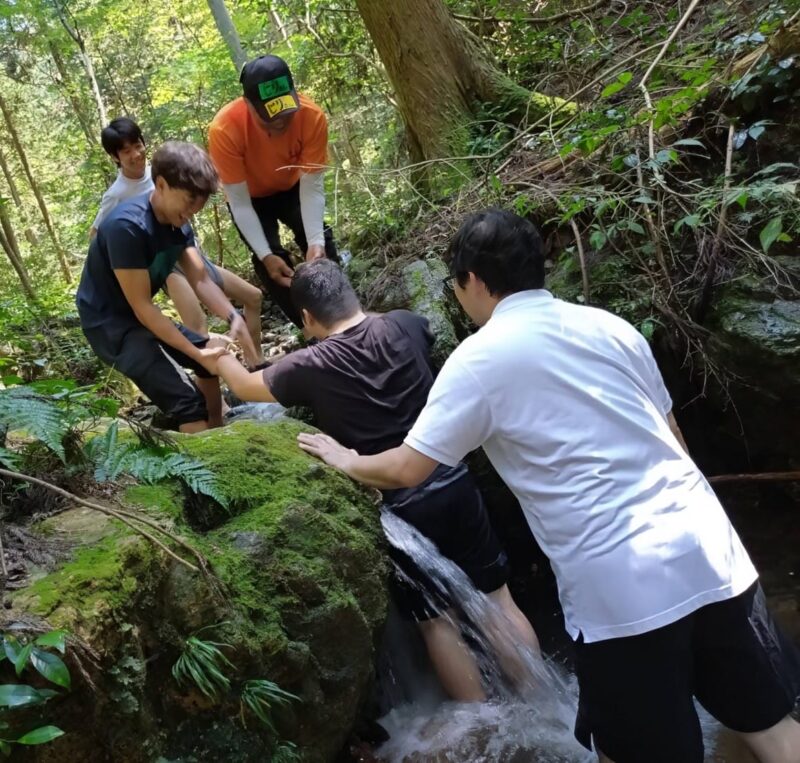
(569, 405)
(121, 189)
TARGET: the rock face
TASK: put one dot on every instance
(300, 601)
(756, 336)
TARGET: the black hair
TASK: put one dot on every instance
(504, 250)
(185, 166)
(117, 134)
(322, 288)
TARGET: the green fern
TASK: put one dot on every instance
(150, 464)
(40, 416)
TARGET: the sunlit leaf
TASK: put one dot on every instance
(770, 233)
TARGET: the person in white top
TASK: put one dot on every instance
(123, 141)
(657, 590)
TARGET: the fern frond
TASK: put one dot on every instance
(41, 417)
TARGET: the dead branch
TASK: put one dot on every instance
(123, 516)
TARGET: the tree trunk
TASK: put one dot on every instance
(74, 32)
(8, 241)
(23, 159)
(72, 96)
(228, 32)
(441, 75)
(30, 234)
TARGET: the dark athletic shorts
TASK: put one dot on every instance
(156, 368)
(636, 692)
(455, 519)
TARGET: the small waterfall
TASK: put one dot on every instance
(531, 722)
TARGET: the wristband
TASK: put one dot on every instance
(231, 315)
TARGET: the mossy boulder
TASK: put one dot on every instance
(300, 599)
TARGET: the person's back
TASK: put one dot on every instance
(571, 409)
(365, 385)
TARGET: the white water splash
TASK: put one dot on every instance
(533, 724)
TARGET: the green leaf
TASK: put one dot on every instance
(597, 239)
(636, 228)
(756, 131)
(42, 735)
(741, 199)
(666, 155)
(20, 695)
(53, 639)
(784, 238)
(51, 667)
(770, 233)
(617, 85)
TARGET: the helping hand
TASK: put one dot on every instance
(209, 357)
(278, 270)
(315, 252)
(218, 340)
(326, 448)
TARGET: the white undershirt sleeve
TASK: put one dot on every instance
(246, 218)
(107, 203)
(457, 418)
(312, 206)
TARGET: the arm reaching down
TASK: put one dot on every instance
(214, 298)
(249, 225)
(135, 284)
(312, 211)
(399, 467)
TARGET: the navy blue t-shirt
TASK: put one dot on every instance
(129, 238)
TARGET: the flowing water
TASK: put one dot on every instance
(531, 723)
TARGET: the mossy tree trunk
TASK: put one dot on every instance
(441, 75)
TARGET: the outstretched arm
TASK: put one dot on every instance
(395, 468)
(247, 386)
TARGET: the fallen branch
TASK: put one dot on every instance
(763, 477)
(127, 518)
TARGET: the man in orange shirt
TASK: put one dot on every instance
(270, 148)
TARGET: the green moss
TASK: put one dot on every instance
(99, 580)
(163, 499)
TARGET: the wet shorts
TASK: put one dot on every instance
(157, 369)
(455, 519)
(211, 268)
(636, 693)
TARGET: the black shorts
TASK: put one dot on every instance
(455, 519)
(636, 693)
(156, 368)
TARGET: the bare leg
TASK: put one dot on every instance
(250, 297)
(453, 661)
(779, 744)
(193, 426)
(210, 389)
(187, 304)
(507, 630)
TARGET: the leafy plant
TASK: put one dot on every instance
(260, 696)
(203, 664)
(149, 463)
(22, 653)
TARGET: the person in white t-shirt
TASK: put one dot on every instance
(123, 141)
(658, 592)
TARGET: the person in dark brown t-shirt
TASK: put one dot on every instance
(366, 380)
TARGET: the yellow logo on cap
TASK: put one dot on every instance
(277, 105)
